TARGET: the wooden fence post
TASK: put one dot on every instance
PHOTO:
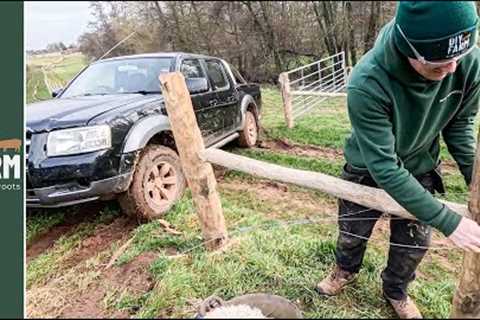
(466, 301)
(286, 97)
(199, 174)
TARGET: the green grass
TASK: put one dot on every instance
(41, 222)
(326, 126)
(456, 188)
(36, 88)
(61, 71)
(70, 67)
(296, 162)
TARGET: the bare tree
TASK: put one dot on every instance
(260, 38)
(373, 22)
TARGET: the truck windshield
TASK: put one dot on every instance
(132, 75)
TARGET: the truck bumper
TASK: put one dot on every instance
(74, 193)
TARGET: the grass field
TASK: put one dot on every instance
(56, 69)
(283, 240)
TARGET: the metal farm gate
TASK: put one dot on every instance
(306, 87)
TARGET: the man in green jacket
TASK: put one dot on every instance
(421, 80)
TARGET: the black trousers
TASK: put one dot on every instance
(402, 262)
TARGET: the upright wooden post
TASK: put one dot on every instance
(286, 97)
(199, 174)
(466, 301)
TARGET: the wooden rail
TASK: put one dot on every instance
(366, 196)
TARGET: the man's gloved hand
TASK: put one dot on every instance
(467, 235)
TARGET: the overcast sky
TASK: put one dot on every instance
(54, 21)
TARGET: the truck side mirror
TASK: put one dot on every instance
(197, 85)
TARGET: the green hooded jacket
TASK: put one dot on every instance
(397, 117)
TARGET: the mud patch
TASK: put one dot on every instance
(219, 172)
(286, 147)
(449, 166)
(280, 195)
(88, 306)
(135, 274)
(133, 278)
(102, 239)
(45, 240)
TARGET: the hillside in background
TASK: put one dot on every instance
(49, 72)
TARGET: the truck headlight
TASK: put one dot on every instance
(78, 140)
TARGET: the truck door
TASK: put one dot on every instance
(228, 105)
(203, 103)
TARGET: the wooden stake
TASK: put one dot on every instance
(199, 174)
(466, 301)
(287, 98)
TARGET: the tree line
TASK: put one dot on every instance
(260, 38)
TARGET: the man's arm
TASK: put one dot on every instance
(459, 134)
(373, 129)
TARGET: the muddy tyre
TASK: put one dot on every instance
(249, 134)
(158, 183)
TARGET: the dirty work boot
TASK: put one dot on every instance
(405, 309)
(334, 282)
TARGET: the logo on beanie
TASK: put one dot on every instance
(458, 43)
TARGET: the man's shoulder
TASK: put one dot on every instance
(475, 54)
(470, 65)
(367, 73)
(368, 78)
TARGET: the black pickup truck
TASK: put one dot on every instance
(107, 133)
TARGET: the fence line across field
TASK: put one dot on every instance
(197, 166)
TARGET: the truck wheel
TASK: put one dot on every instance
(249, 133)
(158, 182)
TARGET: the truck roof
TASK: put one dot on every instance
(158, 55)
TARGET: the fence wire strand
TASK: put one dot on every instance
(274, 224)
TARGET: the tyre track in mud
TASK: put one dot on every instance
(78, 286)
(40, 243)
(133, 277)
(102, 238)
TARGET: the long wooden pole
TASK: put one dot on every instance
(367, 196)
(287, 98)
(199, 174)
(466, 301)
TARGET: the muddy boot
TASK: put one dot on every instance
(334, 282)
(405, 309)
